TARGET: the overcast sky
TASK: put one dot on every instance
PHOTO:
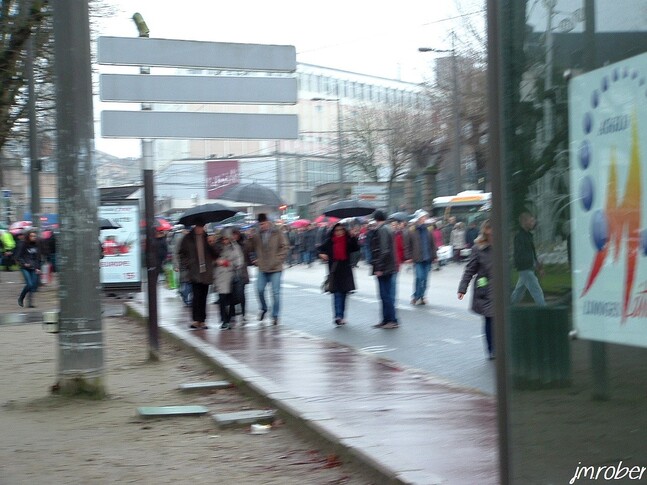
(363, 36)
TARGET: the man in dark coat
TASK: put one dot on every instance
(384, 268)
(525, 262)
(198, 256)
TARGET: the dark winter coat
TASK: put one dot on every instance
(525, 256)
(342, 271)
(188, 255)
(383, 250)
(28, 255)
(479, 266)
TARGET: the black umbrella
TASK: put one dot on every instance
(350, 208)
(400, 217)
(105, 223)
(212, 212)
(253, 194)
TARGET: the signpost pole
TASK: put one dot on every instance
(149, 212)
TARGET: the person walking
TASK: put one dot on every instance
(269, 247)
(185, 289)
(457, 240)
(438, 241)
(421, 251)
(239, 238)
(8, 249)
(337, 250)
(198, 256)
(29, 260)
(160, 253)
(383, 268)
(228, 267)
(526, 262)
(479, 270)
(310, 244)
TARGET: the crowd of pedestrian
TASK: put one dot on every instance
(218, 262)
(385, 245)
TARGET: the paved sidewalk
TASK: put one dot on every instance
(407, 426)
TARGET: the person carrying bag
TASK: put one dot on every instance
(336, 250)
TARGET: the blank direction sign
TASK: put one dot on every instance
(142, 51)
(197, 89)
(198, 125)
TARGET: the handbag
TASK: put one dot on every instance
(327, 285)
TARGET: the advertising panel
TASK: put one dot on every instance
(221, 175)
(608, 130)
(121, 262)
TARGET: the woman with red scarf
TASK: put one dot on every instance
(336, 250)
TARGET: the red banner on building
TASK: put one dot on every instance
(221, 174)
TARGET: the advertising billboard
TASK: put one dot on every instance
(221, 175)
(608, 130)
(121, 262)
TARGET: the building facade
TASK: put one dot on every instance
(293, 168)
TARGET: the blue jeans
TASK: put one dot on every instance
(420, 284)
(186, 291)
(31, 282)
(528, 279)
(339, 299)
(274, 279)
(394, 288)
(487, 326)
(385, 285)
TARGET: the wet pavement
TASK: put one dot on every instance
(405, 425)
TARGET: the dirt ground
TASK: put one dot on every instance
(48, 439)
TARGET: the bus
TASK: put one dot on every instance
(468, 206)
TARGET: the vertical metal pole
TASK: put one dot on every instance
(149, 211)
(279, 172)
(33, 137)
(598, 351)
(457, 121)
(340, 157)
(81, 370)
(500, 226)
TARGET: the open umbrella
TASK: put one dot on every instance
(300, 223)
(350, 208)
(400, 217)
(212, 212)
(162, 224)
(252, 194)
(239, 216)
(105, 223)
(20, 226)
(326, 220)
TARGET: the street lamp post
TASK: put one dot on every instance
(456, 110)
(340, 160)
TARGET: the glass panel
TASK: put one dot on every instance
(574, 124)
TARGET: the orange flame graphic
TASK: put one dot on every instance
(621, 216)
